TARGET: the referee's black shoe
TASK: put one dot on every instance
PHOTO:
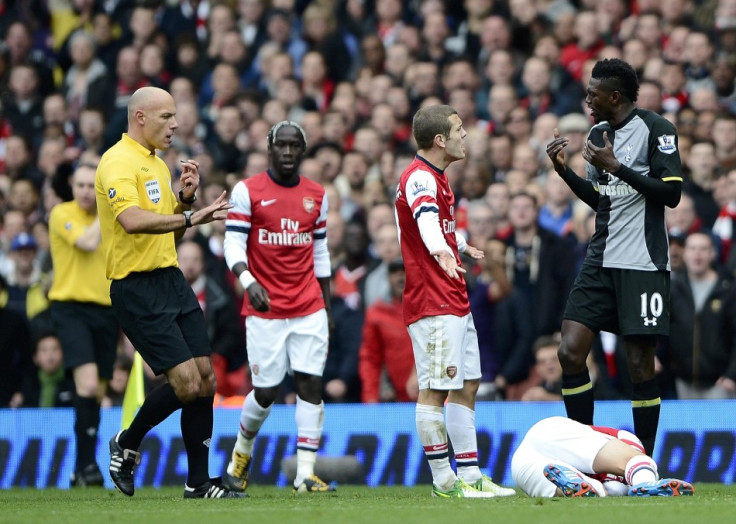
(122, 464)
(212, 489)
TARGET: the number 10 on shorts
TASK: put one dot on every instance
(653, 306)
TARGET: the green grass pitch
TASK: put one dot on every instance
(711, 504)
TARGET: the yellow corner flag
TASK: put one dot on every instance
(134, 392)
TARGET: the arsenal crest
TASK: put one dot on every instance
(254, 369)
(308, 204)
(451, 371)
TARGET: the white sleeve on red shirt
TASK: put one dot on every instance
(421, 195)
(237, 226)
(462, 244)
(322, 265)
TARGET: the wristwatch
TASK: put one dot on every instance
(188, 201)
(188, 217)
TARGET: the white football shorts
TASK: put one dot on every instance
(554, 440)
(276, 346)
(445, 351)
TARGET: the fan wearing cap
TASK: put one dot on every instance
(575, 127)
(26, 293)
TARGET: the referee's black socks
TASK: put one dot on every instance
(645, 404)
(196, 430)
(159, 404)
(577, 393)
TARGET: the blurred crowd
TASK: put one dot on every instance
(352, 73)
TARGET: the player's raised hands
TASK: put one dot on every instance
(555, 151)
(258, 297)
(448, 263)
(601, 157)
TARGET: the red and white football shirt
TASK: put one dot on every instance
(280, 233)
(425, 216)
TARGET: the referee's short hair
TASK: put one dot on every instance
(285, 123)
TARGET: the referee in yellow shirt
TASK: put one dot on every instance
(82, 316)
(140, 220)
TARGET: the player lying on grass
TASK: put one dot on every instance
(560, 457)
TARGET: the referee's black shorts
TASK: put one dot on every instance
(88, 334)
(621, 301)
(160, 314)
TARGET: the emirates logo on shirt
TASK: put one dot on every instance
(308, 204)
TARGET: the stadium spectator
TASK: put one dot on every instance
(352, 180)
(377, 285)
(19, 45)
(547, 372)
(702, 169)
(701, 348)
(498, 198)
(116, 386)
(725, 225)
(26, 285)
(555, 214)
(502, 99)
(724, 138)
(15, 350)
(87, 79)
(697, 54)
(540, 265)
(340, 378)
(349, 278)
(616, 257)
(46, 384)
(91, 131)
(224, 330)
(288, 306)
(223, 143)
(724, 78)
(22, 106)
(19, 161)
(386, 360)
(588, 43)
(24, 196)
(335, 43)
(490, 289)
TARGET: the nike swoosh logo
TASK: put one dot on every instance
(265, 203)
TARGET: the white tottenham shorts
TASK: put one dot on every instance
(554, 440)
(445, 351)
(276, 346)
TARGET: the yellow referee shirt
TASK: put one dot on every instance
(130, 175)
(79, 275)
